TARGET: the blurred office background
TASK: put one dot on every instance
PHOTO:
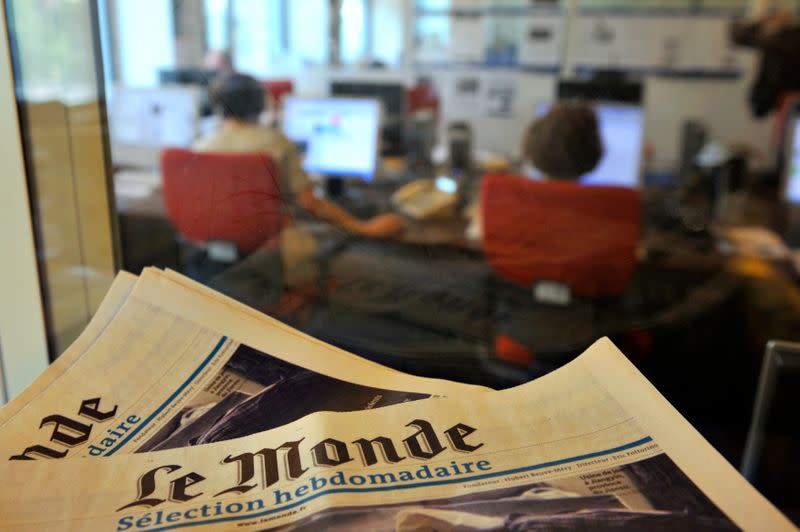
(691, 269)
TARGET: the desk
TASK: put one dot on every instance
(427, 309)
(144, 224)
(695, 322)
(689, 304)
(147, 237)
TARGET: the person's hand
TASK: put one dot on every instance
(382, 226)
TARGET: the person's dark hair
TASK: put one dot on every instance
(238, 96)
(565, 143)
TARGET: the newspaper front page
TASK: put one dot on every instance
(590, 446)
(114, 299)
(153, 379)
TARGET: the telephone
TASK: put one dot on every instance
(427, 199)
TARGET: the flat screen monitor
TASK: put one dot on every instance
(339, 135)
(160, 117)
(606, 89)
(792, 165)
(391, 95)
(622, 133)
(196, 77)
(186, 76)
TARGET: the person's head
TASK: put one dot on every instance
(219, 60)
(238, 97)
(565, 143)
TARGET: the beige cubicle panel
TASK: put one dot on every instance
(66, 169)
(57, 73)
(93, 199)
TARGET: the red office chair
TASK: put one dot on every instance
(422, 98)
(581, 236)
(565, 233)
(222, 197)
(276, 90)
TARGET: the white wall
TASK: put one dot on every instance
(145, 40)
(253, 41)
(387, 31)
(502, 135)
(722, 105)
(308, 34)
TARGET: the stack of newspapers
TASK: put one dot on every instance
(179, 407)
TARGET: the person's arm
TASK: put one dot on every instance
(378, 227)
(381, 226)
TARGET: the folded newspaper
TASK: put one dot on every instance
(209, 414)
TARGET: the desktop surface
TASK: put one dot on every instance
(339, 136)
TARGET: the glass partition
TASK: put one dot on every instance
(465, 189)
(61, 105)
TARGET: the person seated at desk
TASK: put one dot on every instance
(562, 145)
(240, 100)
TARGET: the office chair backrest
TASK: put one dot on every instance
(221, 196)
(276, 90)
(582, 236)
(422, 98)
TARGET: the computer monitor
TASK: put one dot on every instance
(186, 76)
(622, 133)
(603, 88)
(792, 164)
(338, 135)
(166, 116)
(392, 97)
(195, 77)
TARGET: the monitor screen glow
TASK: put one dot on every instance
(339, 136)
(157, 117)
(622, 133)
(793, 164)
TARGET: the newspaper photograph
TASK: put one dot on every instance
(652, 493)
(153, 378)
(254, 392)
(590, 446)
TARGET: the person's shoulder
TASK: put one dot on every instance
(276, 136)
(240, 139)
(263, 134)
(279, 144)
(207, 143)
